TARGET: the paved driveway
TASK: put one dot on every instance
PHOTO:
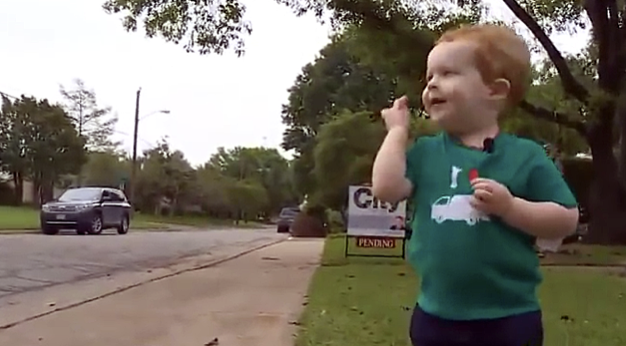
(30, 262)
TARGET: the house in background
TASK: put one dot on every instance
(29, 194)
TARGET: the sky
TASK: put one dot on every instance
(213, 101)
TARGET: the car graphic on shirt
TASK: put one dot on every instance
(456, 208)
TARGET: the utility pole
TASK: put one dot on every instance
(79, 178)
(133, 171)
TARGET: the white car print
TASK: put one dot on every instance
(456, 208)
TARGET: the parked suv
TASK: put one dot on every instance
(87, 210)
(285, 219)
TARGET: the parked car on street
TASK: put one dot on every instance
(87, 210)
(286, 218)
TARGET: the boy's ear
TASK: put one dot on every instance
(500, 89)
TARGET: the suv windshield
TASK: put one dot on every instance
(84, 194)
(289, 212)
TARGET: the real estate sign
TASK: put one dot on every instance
(369, 217)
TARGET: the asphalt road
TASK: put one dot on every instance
(34, 261)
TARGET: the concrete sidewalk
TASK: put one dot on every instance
(247, 301)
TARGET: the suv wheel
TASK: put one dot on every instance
(124, 225)
(49, 230)
(96, 225)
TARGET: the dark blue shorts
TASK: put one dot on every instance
(519, 330)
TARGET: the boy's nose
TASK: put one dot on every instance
(432, 83)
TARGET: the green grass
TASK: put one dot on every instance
(368, 301)
(25, 218)
(192, 221)
(590, 255)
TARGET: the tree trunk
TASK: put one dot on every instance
(18, 188)
(47, 192)
(607, 198)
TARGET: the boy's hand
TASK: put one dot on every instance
(491, 197)
(398, 115)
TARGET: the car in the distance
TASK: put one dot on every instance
(87, 210)
(286, 218)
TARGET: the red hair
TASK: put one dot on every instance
(500, 53)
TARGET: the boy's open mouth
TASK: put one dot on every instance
(437, 101)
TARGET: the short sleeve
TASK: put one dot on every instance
(546, 183)
(413, 164)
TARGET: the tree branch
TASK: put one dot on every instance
(553, 116)
(569, 82)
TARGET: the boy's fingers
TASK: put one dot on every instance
(482, 195)
(476, 203)
(480, 180)
(481, 185)
(402, 102)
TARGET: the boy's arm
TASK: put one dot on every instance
(549, 210)
(389, 182)
(547, 220)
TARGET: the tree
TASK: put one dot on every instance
(13, 148)
(334, 82)
(204, 26)
(40, 143)
(105, 168)
(255, 176)
(166, 181)
(94, 123)
(213, 191)
(344, 154)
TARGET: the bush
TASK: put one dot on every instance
(335, 222)
(311, 222)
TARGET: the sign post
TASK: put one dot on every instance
(373, 223)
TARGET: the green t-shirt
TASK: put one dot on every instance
(471, 265)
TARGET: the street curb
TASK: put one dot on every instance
(150, 230)
(18, 231)
(141, 283)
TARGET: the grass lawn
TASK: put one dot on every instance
(589, 255)
(25, 218)
(368, 301)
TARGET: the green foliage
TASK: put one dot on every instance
(336, 223)
(165, 180)
(344, 155)
(261, 174)
(203, 26)
(38, 142)
(105, 168)
(334, 82)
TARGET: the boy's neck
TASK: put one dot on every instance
(475, 139)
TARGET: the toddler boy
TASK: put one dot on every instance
(482, 197)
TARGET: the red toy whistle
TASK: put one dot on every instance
(473, 174)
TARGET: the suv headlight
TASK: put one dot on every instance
(82, 207)
(45, 208)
